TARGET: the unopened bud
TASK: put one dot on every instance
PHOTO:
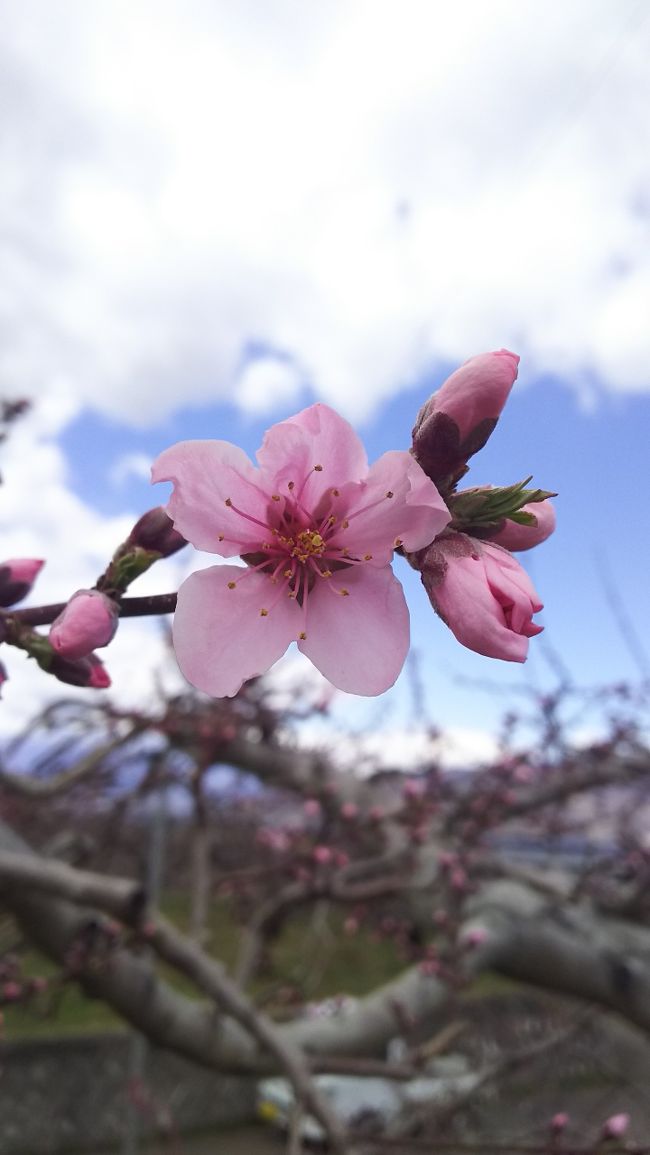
(88, 671)
(519, 537)
(155, 532)
(88, 622)
(616, 1126)
(458, 419)
(17, 578)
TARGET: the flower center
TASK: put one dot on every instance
(308, 543)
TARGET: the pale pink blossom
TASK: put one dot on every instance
(520, 537)
(483, 595)
(560, 1122)
(317, 528)
(88, 622)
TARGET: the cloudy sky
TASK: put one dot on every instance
(214, 213)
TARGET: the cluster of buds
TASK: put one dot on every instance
(473, 582)
(90, 618)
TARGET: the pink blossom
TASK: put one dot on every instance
(475, 938)
(520, 537)
(88, 621)
(458, 419)
(483, 595)
(323, 855)
(616, 1126)
(349, 811)
(317, 529)
(312, 807)
(17, 577)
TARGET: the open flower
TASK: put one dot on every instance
(317, 529)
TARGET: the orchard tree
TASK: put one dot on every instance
(421, 859)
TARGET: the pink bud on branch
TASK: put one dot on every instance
(88, 621)
(155, 532)
(458, 419)
(481, 592)
(520, 537)
(17, 578)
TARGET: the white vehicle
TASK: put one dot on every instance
(366, 1101)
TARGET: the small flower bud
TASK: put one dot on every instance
(559, 1122)
(155, 532)
(517, 537)
(17, 578)
(88, 621)
(616, 1126)
(88, 671)
(458, 419)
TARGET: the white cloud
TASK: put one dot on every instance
(371, 187)
(130, 465)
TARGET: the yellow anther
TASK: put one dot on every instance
(389, 493)
(228, 501)
(264, 613)
(326, 573)
(344, 593)
(397, 543)
(287, 573)
(335, 492)
(302, 636)
(275, 497)
(367, 557)
(231, 585)
(345, 524)
(221, 537)
(318, 468)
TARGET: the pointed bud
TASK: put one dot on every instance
(457, 420)
(616, 1126)
(17, 578)
(482, 593)
(88, 621)
(155, 532)
(89, 671)
(516, 537)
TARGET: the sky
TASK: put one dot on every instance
(214, 214)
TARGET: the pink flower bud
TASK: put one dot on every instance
(457, 420)
(155, 532)
(88, 671)
(615, 1126)
(311, 807)
(349, 811)
(481, 592)
(560, 1122)
(322, 855)
(17, 578)
(88, 621)
(475, 938)
(519, 537)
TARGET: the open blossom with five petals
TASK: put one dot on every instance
(317, 528)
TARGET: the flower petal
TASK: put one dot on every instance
(205, 474)
(358, 642)
(317, 436)
(413, 515)
(220, 637)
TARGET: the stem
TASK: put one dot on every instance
(129, 608)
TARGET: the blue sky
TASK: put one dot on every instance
(214, 214)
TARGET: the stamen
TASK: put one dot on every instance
(246, 516)
(264, 613)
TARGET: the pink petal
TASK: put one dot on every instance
(205, 474)
(359, 642)
(316, 436)
(220, 637)
(377, 522)
(481, 625)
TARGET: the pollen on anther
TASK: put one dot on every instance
(397, 543)
(344, 593)
(232, 585)
(291, 485)
(318, 468)
(275, 497)
(221, 537)
(367, 557)
(335, 492)
(345, 524)
(326, 573)
(389, 493)
(228, 502)
(302, 636)
(287, 573)
(264, 613)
